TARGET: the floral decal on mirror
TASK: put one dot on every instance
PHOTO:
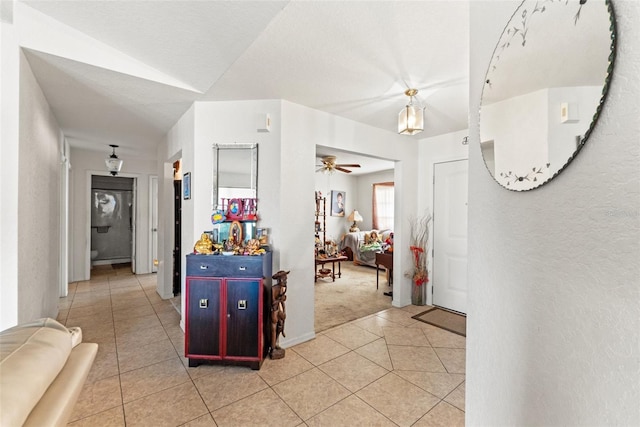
(532, 176)
(546, 82)
(522, 28)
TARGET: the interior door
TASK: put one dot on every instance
(449, 279)
(133, 225)
(177, 239)
(154, 223)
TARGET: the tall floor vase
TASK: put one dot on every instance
(418, 294)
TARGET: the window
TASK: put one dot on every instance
(383, 206)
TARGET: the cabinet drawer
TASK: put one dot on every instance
(224, 266)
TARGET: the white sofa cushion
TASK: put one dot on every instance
(31, 357)
(56, 406)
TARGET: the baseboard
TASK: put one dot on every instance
(286, 343)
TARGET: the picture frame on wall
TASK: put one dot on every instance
(186, 186)
(338, 200)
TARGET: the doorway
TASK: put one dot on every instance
(177, 228)
(153, 213)
(112, 220)
(450, 182)
(354, 294)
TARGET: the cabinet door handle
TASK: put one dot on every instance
(242, 268)
(204, 267)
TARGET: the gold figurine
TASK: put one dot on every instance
(203, 246)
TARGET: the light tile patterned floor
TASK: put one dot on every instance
(385, 369)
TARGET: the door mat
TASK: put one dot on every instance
(444, 319)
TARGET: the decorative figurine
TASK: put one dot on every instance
(228, 247)
(253, 248)
(278, 313)
(204, 245)
(388, 244)
(235, 233)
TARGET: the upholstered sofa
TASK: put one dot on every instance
(363, 252)
(43, 367)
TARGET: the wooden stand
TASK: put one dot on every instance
(326, 272)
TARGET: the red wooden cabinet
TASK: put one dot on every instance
(224, 316)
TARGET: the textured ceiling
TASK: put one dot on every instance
(124, 71)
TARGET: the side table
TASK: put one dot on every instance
(384, 259)
(326, 272)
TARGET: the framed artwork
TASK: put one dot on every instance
(186, 186)
(338, 199)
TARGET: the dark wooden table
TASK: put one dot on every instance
(326, 272)
(384, 259)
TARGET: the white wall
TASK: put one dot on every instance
(38, 205)
(85, 163)
(338, 181)
(9, 134)
(30, 211)
(554, 278)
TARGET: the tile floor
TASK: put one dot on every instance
(385, 369)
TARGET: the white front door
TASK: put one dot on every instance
(449, 273)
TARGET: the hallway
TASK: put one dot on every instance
(385, 369)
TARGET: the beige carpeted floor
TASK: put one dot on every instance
(350, 297)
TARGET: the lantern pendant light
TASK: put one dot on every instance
(411, 117)
(114, 164)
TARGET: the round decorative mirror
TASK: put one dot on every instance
(545, 86)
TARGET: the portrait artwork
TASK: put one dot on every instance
(338, 199)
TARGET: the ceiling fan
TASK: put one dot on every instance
(329, 165)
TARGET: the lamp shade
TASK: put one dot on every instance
(355, 217)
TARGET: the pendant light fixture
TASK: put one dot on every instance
(411, 117)
(114, 164)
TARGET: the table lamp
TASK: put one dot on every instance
(354, 217)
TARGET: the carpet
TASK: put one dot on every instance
(350, 297)
(444, 319)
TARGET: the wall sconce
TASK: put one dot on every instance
(114, 164)
(354, 217)
(569, 113)
(411, 118)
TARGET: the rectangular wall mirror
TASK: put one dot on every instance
(235, 172)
